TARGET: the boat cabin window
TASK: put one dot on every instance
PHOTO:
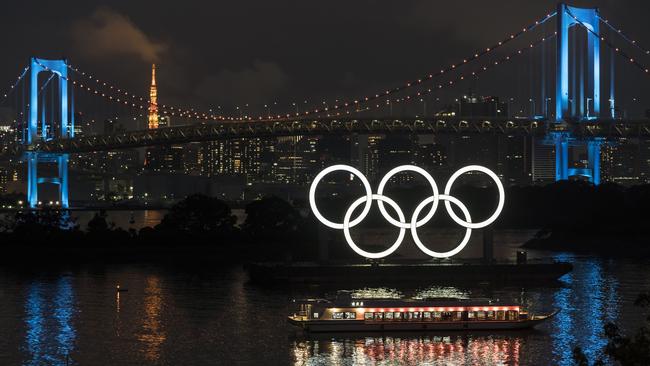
(368, 316)
(316, 315)
(448, 315)
(426, 315)
(501, 315)
(397, 315)
(389, 316)
(344, 315)
(513, 315)
(437, 315)
(490, 315)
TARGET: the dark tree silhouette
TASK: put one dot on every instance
(271, 220)
(98, 224)
(199, 215)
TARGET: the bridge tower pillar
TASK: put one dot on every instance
(577, 107)
(61, 127)
(567, 17)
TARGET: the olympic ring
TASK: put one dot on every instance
(414, 223)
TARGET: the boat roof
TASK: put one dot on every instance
(390, 302)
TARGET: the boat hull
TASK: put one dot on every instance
(371, 326)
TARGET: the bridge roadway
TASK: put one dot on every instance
(208, 131)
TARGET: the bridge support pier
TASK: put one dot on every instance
(593, 154)
(33, 180)
(561, 156)
(563, 142)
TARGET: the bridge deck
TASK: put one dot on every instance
(255, 129)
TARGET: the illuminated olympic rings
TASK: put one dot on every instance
(400, 222)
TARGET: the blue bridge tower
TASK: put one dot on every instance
(577, 84)
(61, 125)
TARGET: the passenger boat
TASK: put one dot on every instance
(346, 314)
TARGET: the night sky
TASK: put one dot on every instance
(229, 53)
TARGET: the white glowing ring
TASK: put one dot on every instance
(312, 195)
(496, 180)
(414, 232)
(427, 176)
(402, 224)
(346, 227)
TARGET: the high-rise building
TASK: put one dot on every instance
(395, 151)
(543, 161)
(620, 160)
(153, 100)
(369, 155)
(514, 161)
(166, 159)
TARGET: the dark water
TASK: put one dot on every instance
(213, 316)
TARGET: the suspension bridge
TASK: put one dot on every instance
(571, 110)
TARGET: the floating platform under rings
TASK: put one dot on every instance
(456, 272)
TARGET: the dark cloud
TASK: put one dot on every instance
(260, 82)
(107, 33)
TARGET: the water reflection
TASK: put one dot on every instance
(376, 293)
(585, 305)
(50, 334)
(424, 293)
(441, 292)
(63, 312)
(175, 317)
(430, 350)
(34, 322)
(153, 334)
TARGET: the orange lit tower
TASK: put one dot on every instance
(153, 100)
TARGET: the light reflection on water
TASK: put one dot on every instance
(414, 350)
(152, 334)
(207, 317)
(49, 310)
(586, 304)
